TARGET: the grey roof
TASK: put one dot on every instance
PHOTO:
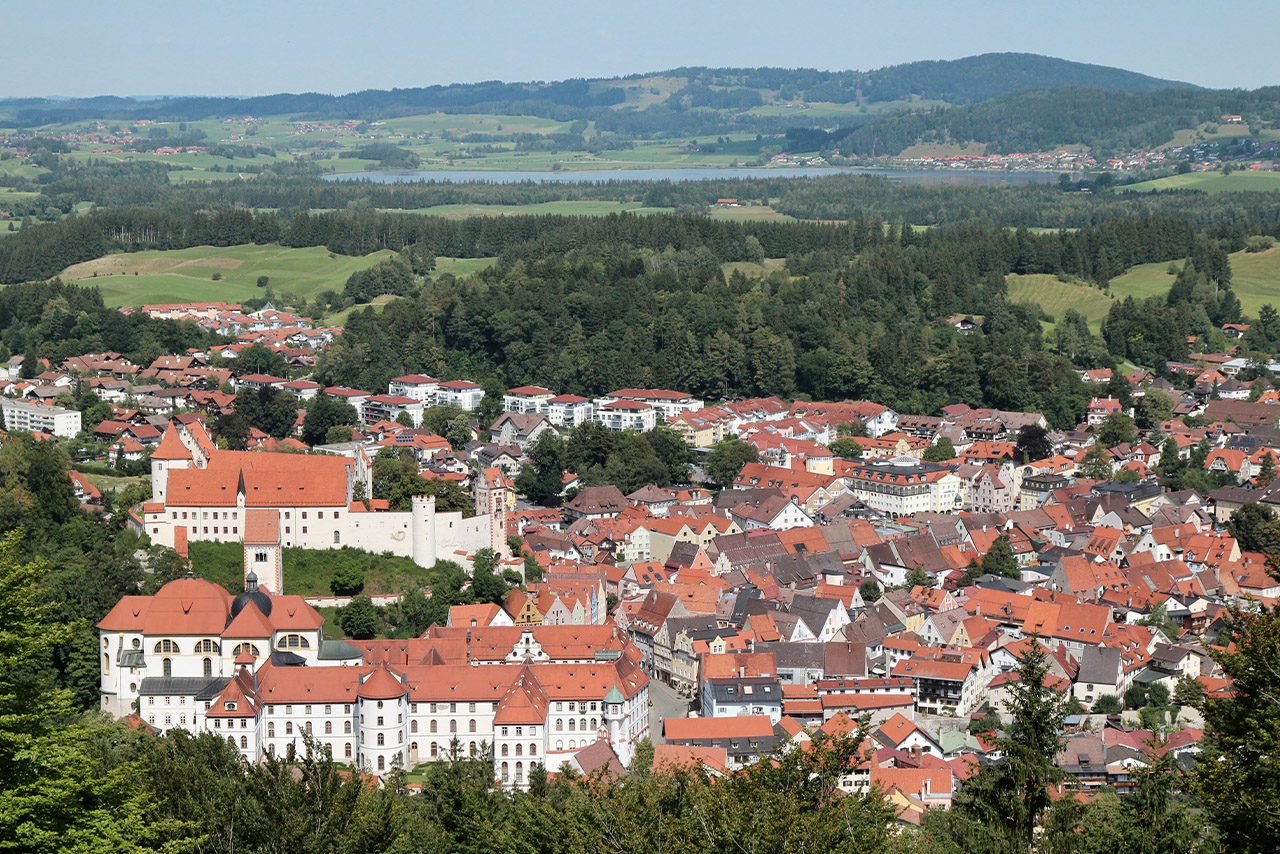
(175, 685)
(745, 689)
(1099, 665)
(809, 654)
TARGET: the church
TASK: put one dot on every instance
(282, 500)
(256, 669)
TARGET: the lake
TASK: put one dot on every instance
(923, 176)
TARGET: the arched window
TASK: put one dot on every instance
(244, 742)
(435, 750)
(453, 726)
(167, 666)
(271, 729)
(382, 763)
(471, 727)
(288, 727)
(106, 663)
(308, 727)
(253, 649)
(413, 726)
(328, 727)
(559, 744)
(207, 645)
(582, 724)
(413, 752)
(504, 750)
(168, 646)
(293, 642)
(346, 727)
(519, 750)
(347, 751)
(519, 772)
(594, 723)
(533, 750)
(560, 724)
(381, 739)
(571, 725)
(208, 667)
(433, 726)
(473, 750)
(505, 772)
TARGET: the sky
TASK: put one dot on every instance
(139, 47)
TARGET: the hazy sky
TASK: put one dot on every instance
(133, 47)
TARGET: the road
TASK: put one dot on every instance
(666, 704)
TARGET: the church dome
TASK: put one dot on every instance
(251, 594)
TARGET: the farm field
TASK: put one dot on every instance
(185, 275)
(1210, 182)
(750, 213)
(1055, 297)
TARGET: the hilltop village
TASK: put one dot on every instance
(817, 565)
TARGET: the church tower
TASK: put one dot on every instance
(263, 554)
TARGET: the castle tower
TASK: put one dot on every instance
(423, 529)
(170, 454)
(263, 555)
(383, 714)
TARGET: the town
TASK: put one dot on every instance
(825, 566)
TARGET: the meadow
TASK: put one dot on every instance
(1055, 297)
(1210, 182)
(307, 572)
(186, 275)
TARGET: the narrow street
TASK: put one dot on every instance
(666, 704)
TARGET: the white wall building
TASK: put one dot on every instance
(39, 418)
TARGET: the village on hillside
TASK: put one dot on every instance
(856, 566)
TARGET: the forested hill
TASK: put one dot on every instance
(963, 81)
(1041, 119)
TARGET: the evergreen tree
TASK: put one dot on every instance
(999, 559)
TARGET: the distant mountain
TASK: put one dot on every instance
(979, 78)
(653, 98)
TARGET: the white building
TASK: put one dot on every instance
(389, 407)
(626, 415)
(904, 485)
(256, 670)
(463, 394)
(416, 386)
(569, 410)
(39, 418)
(527, 400)
(668, 403)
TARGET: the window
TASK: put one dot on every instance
(434, 750)
(473, 750)
(519, 750)
(293, 642)
(167, 666)
(328, 709)
(504, 750)
(347, 752)
(379, 719)
(504, 731)
(453, 726)
(433, 726)
(472, 707)
(533, 750)
(382, 763)
(106, 663)
(346, 727)
(307, 726)
(413, 726)
(137, 643)
(271, 729)
(207, 645)
(505, 772)
(260, 556)
(208, 667)
(559, 723)
(381, 739)
(304, 530)
(337, 538)
(471, 726)
(253, 649)
(167, 646)
(571, 725)
(288, 727)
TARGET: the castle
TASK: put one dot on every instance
(280, 500)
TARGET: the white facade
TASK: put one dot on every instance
(38, 418)
(569, 411)
(626, 416)
(414, 386)
(460, 393)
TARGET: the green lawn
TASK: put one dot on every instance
(1211, 182)
(307, 572)
(1055, 297)
(185, 275)
(749, 213)
(1255, 278)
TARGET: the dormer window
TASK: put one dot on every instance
(231, 706)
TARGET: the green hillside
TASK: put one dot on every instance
(1055, 297)
(1210, 182)
(186, 275)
